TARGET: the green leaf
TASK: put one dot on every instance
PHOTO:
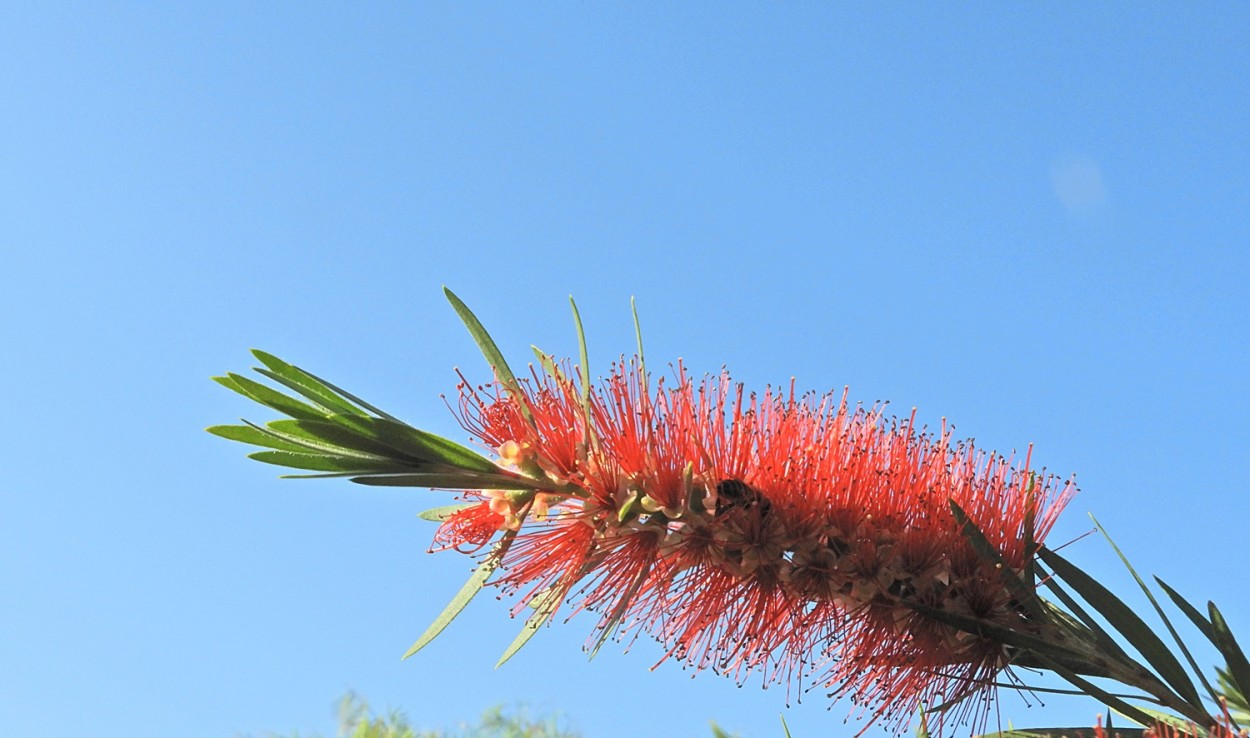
(1185, 689)
(338, 436)
(785, 729)
(544, 605)
(999, 633)
(448, 480)
(422, 444)
(1234, 657)
(304, 383)
(494, 357)
(1026, 596)
(254, 436)
(442, 512)
(269, 397)
(583, 357)
(1190, 611)
(618, 612)
(349, 396)
(308, 443)
(642, 360)
(465, 595)
(323, 462)
(1105, 641)
(1124, 620)
(1132, 712)
(548, 364)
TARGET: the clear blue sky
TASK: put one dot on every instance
(1030, 219)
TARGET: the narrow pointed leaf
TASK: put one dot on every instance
(1004, 635)
(1190, 611)
(1132, 712)
(642, 360)
(335, 434)
(618, 612)
(494, 357)
(349, 396)
(321, 462)
(584, 358)
(1105, 641)
(542, 612)
(442, 512)
(467, 592)
(1024, 595)
(255, 437)
(1187, 689)
(457, 604)
(548, 364)
(1234, 657)
(1125, 621)
(308, 443)
(331, 404)
(450, 479)
(304, 383)
(269, 397)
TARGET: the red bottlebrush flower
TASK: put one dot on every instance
(778, 534)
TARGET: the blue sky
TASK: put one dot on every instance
(1030, 219)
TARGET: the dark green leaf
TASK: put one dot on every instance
(336, 435)
(432, 447)
(269, 397)
(1125, 621)
(1185, 689)
(1234, 657)
(997, 632)
(322, 462)
(448, 480)
(1026, 596)
(1132, 712)
(1190, 611)
(304, 383)
(254, 436)
(349, 396)
(1105, 641)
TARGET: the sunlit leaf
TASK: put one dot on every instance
(255, 437)
(269, 397)
(464, 596)
(304, 383)
(494, 357)
(443, 512)
(544, 604)
(323, 462)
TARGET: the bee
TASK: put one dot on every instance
(735, 493)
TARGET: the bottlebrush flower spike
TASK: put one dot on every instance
(780, 534)
(800, 538)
